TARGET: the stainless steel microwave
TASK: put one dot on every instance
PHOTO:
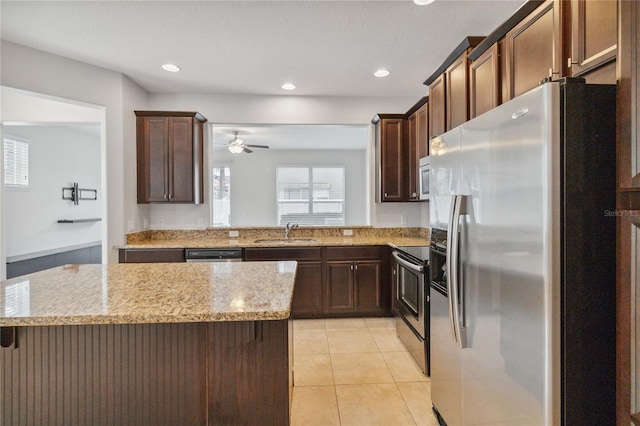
(423, 177)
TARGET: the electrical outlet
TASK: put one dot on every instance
(234, 234)
(403, 219)
(200, 222)
(161, 224)
(146, 224)
(347, 232)
(131, 225)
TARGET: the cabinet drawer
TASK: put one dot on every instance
(151, 255)
(285, 253)
(353, 253)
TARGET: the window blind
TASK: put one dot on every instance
(16, 162)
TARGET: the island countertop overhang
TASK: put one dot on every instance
(149, 293)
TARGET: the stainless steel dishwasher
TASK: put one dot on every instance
(214, 255)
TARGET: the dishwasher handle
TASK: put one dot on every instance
(213, 255)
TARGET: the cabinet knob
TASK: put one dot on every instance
(351, 267)
(385, 195)
(414, 195)
(165, 196)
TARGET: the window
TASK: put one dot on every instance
(311, 196)
(16, 162)
(221, 196)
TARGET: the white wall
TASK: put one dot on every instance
(134, 98)
(59, 156)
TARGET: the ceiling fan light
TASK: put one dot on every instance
(171, 68)
(235, 149)
(381, 73)
(423, 2)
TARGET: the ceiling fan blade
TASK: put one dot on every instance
(247, 150)
(258, 146)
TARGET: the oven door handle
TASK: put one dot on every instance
(408, 265)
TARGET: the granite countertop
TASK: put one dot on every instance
(149, 293)
(251, 242)
(255, 237)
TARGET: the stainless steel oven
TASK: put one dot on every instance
(412, 301)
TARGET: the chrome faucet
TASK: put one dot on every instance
(290, 227)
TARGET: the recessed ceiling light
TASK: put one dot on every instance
(171, 67)
(288, 86)
(381, 73)
(423, 2)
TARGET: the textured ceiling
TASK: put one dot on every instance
(327, 48)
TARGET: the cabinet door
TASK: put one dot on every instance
(457, 93)
(307, 294)
(484, 83)
(533, 49)
(422, 124)
(628, 107)
(152, 157)
(437, 123)
(340, 286)
(392, 164)
(413, 158)
(368, 291)
(593, 34)
(181, 159)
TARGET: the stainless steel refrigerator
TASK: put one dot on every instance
(523, 330)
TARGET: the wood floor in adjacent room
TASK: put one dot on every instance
(356, 372)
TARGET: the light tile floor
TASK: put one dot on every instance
(356, 372)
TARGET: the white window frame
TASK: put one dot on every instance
(15, 186)
(310, 200)
(212, 224)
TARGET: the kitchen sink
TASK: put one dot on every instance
(286, 240)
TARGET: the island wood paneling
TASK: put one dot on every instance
(147, 374)
(248, 373)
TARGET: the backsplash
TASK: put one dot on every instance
(276, 232)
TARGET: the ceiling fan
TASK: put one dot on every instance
(237, 145)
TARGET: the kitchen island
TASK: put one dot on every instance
(147, 344)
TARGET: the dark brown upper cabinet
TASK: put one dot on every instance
(391, 157)
(437, 115)
(533, 49)
(594, 36)
(169, 156)
(449, 89)
(484, 82)
(628, 113)
(417, 121)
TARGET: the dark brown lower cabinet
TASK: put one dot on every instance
(356, 283)
(307, 294)
(231, 373)
(342, 281)
(340, 287)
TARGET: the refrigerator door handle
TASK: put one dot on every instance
(451, 270)
(458, 204)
